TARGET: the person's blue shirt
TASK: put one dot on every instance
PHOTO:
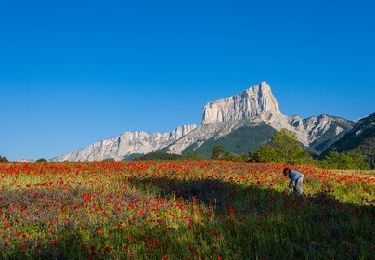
(294, 175)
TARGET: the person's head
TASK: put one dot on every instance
(287, 171)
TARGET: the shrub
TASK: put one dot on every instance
(218, 152)
(347, 160)
(42, 160)
(234, 157)
(283, 148)
(3, 159)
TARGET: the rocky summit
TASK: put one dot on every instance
(250, 103)
(242, 122)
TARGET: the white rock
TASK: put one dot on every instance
(182, 131)
(252, 102)
(126, 144)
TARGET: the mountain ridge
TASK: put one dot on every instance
(253, 107)
(361, 138)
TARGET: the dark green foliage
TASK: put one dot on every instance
(284, 147)
(160, 156)
(163, 156)
(42, 160)
(3, 159)
(218, 152)
(361, 138)
(193, 155)
(234, 157)
(345, 160)
(133, 156)
(243, 140)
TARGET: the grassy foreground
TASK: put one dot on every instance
(182, 210)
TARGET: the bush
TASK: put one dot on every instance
(42, 160)
(283, 148)
(353, 160)
(218, 152)
(233, 157)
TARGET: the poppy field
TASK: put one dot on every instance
(182, 210)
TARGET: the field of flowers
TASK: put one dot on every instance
(182, 210)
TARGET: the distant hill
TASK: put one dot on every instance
(361, 138)
(243, 140)
(159, 156)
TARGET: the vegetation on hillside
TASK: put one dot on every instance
(283, 148)
(219, 153)
(241, 141)
(344, 160)
(361, 139)
(163, 156)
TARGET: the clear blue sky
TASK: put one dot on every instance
(74, 72)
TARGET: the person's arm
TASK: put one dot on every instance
(292, 179)
(291, 183)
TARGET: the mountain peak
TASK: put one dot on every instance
(254, 101)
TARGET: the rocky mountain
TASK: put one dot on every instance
(242, 123)
(250, 103)
(361, 137)
(323, 130)
(254, 107)
(125, 145)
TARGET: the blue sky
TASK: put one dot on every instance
(74, 72)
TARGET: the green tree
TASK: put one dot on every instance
(218, 152)
(283, 147)
(42, 160)
(345, 160)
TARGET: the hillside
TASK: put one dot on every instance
(243, 140)
(329, 129)
(361, 137)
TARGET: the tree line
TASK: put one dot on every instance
(285, 148)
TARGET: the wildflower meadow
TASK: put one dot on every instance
(183, 210)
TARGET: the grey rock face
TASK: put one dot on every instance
(128, 143)
(252, 102)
